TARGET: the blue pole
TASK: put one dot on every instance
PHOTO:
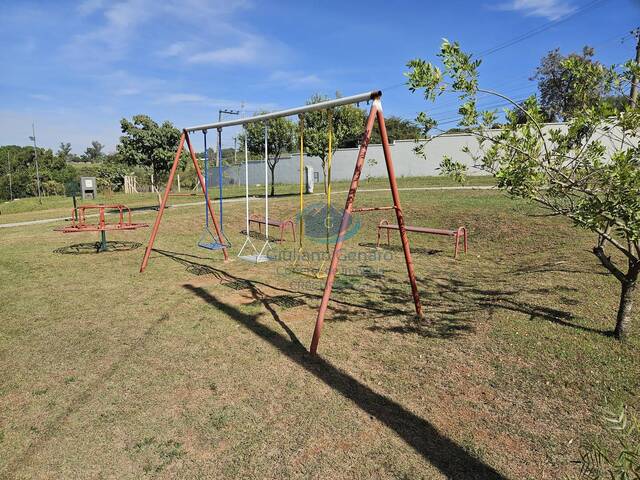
(206, 181)
(220, 176)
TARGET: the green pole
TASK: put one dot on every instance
(103, 241)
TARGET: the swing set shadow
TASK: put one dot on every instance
(450, 458)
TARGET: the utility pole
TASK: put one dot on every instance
(220, 113)
(10, 185)
(635, 80)
(35, 151)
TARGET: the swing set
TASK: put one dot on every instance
(216, 240)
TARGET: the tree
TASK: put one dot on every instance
(94, 153)
(55, 173)
(558, 78)
(148, 144)
(64, 151)
(281, 133)
(568, 171)
(397, 129)
(347, 127)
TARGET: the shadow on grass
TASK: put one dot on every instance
(459, 298)
(94, 247)
(447, 456)
(398, 248)
(554, 267)
(363, 297)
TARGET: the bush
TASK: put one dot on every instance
(616, 454)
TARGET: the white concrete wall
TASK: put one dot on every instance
(406, 161)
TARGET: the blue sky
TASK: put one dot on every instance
(77, 68)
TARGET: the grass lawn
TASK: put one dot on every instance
(174, 374)
(26, 209)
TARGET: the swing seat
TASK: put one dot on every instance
(212, 245)
(255, 258)
(210, 242)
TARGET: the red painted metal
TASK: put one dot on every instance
(79, 220)
(396, 202)
(176, 161)
(372, 209)
(163, 204)
(460, 232)
(375, 112)
(258, 220)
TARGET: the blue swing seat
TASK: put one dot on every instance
(209, 241)
(212, 245)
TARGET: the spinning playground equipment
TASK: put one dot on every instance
(79, 222)
(375, 113)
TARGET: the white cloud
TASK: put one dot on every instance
(248, 50)
(112, 39)
(550, 9)
(210, 102)
(294, 79)
(121, 23)
(174, 49)
(241, 54)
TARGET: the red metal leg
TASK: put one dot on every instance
(465, 239)
(457, 239)
(293, 230)
(208, 199)
(344, 224)
(163, 204)
(396, 202)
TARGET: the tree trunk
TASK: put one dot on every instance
(273, 179)
(625, 309)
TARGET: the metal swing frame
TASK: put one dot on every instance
(375, 113)
(207, 234)
(258, 256)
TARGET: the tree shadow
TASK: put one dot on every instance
(94, 247)
(451, 459)
(371, 300)
(463, 298)
(398, 248)
(553, 267)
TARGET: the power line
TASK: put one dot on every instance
(540, 29)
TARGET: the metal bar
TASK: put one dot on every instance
(362, 97)
(246, 180)
(220, 179)
(206, 179)
(344, 224)
(202, 183)
(266, 181)
(372, 209)
(167, 190)
(396, 202)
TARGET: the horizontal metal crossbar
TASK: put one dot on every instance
(337, 102)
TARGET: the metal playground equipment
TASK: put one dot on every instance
(79, 222)
(375, 113)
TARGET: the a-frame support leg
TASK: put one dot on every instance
(176, 161)
(376, 111)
